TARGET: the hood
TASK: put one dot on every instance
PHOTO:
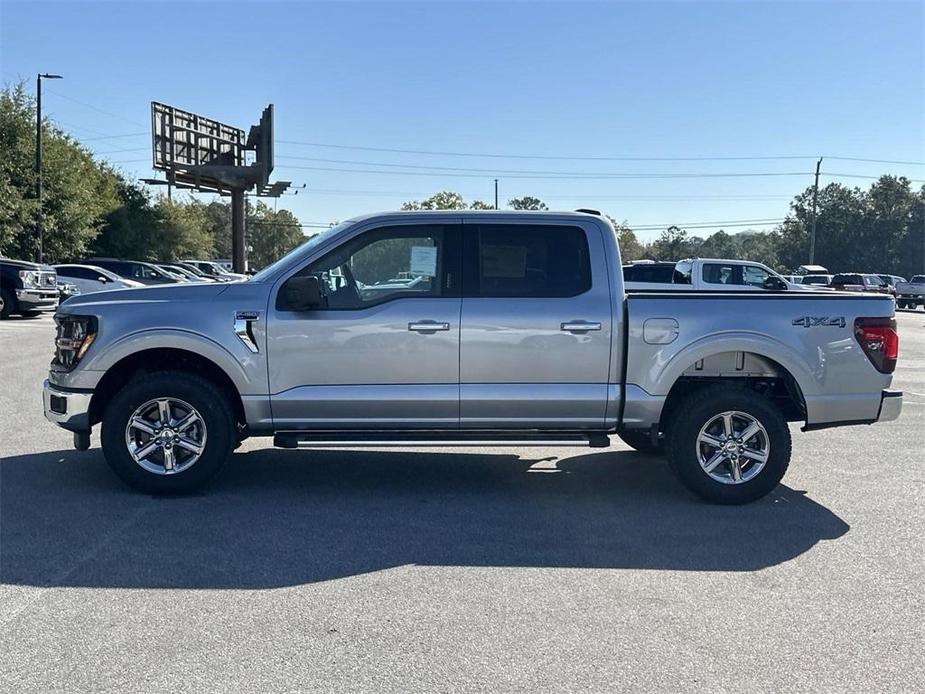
(157, 294)
(26, 265)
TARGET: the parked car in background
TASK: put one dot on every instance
(891, 280)
(912, 293)
(146, 273)
(66, 290)
(648, 271)
(27, 289)
(190, 274)
(860, 282)
(214, 269)
(202, 273)
(175, 272)
(91, 278)
(713, 274)
(815, 280)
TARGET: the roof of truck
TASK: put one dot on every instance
(520, 214)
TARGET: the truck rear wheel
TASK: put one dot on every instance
(729, 445)
(167, 432)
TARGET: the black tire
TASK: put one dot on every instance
(211, 403)
(641, 440)
(9, 304)
(31, 314)
(683, 448)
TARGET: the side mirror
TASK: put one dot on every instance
(102, 279)
(301, 294)
(774, 284)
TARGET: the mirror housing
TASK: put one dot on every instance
(102, 279)
(775, 284)
(301, 294)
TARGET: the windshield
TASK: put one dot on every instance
(312, 242)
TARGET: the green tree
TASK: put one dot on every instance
(673, 244)
(444, 200)
(130, 230)
(720, 245)
(528, 202)
(630, 246)
(182, 231)
(77, 191)
(271, 234)
(481, 205)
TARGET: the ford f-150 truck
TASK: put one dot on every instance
(466, 328)
(710, 274)
(27, 288)
(912, 293)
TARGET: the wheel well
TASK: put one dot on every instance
(746, 369)
(163, 359)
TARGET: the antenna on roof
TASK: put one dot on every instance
(589, 211)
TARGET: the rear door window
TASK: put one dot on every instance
(722, 273)
(528, 261)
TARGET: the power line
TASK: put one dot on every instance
(560, 176)
(575, 157)
(540, 156)
(555, 196)
(880, 161)
(96, 108)
(117, 151)
(493, 172)
(114, 137)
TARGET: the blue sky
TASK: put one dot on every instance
(617, 79)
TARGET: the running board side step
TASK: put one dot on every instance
(418, 439)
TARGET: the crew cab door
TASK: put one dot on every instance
(382, 351)
(536, 327)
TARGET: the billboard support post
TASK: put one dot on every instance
(238, 216)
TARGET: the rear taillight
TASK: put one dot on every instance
(879, 340)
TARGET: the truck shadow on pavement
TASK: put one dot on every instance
(280, 518)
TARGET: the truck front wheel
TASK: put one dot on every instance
(729, 445)
(167, 432)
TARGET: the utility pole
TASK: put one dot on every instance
(496, 193)
(812, 234)
(39, 232)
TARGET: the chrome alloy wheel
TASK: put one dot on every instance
(165, 436)
(733, 447)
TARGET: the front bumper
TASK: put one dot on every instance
(67, 408)
(37, 299)
(891, 405)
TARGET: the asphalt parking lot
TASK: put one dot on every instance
(526, 570)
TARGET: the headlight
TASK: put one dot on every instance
(30, 279)
(74, 337)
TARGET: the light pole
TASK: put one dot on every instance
(38, 160)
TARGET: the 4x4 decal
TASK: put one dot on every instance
(825, 321)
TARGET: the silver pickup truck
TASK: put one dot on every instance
(466, 328)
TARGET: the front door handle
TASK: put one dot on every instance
(427, 326)
(580, 326)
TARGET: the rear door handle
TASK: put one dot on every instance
(580, 326)
(427, 326)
